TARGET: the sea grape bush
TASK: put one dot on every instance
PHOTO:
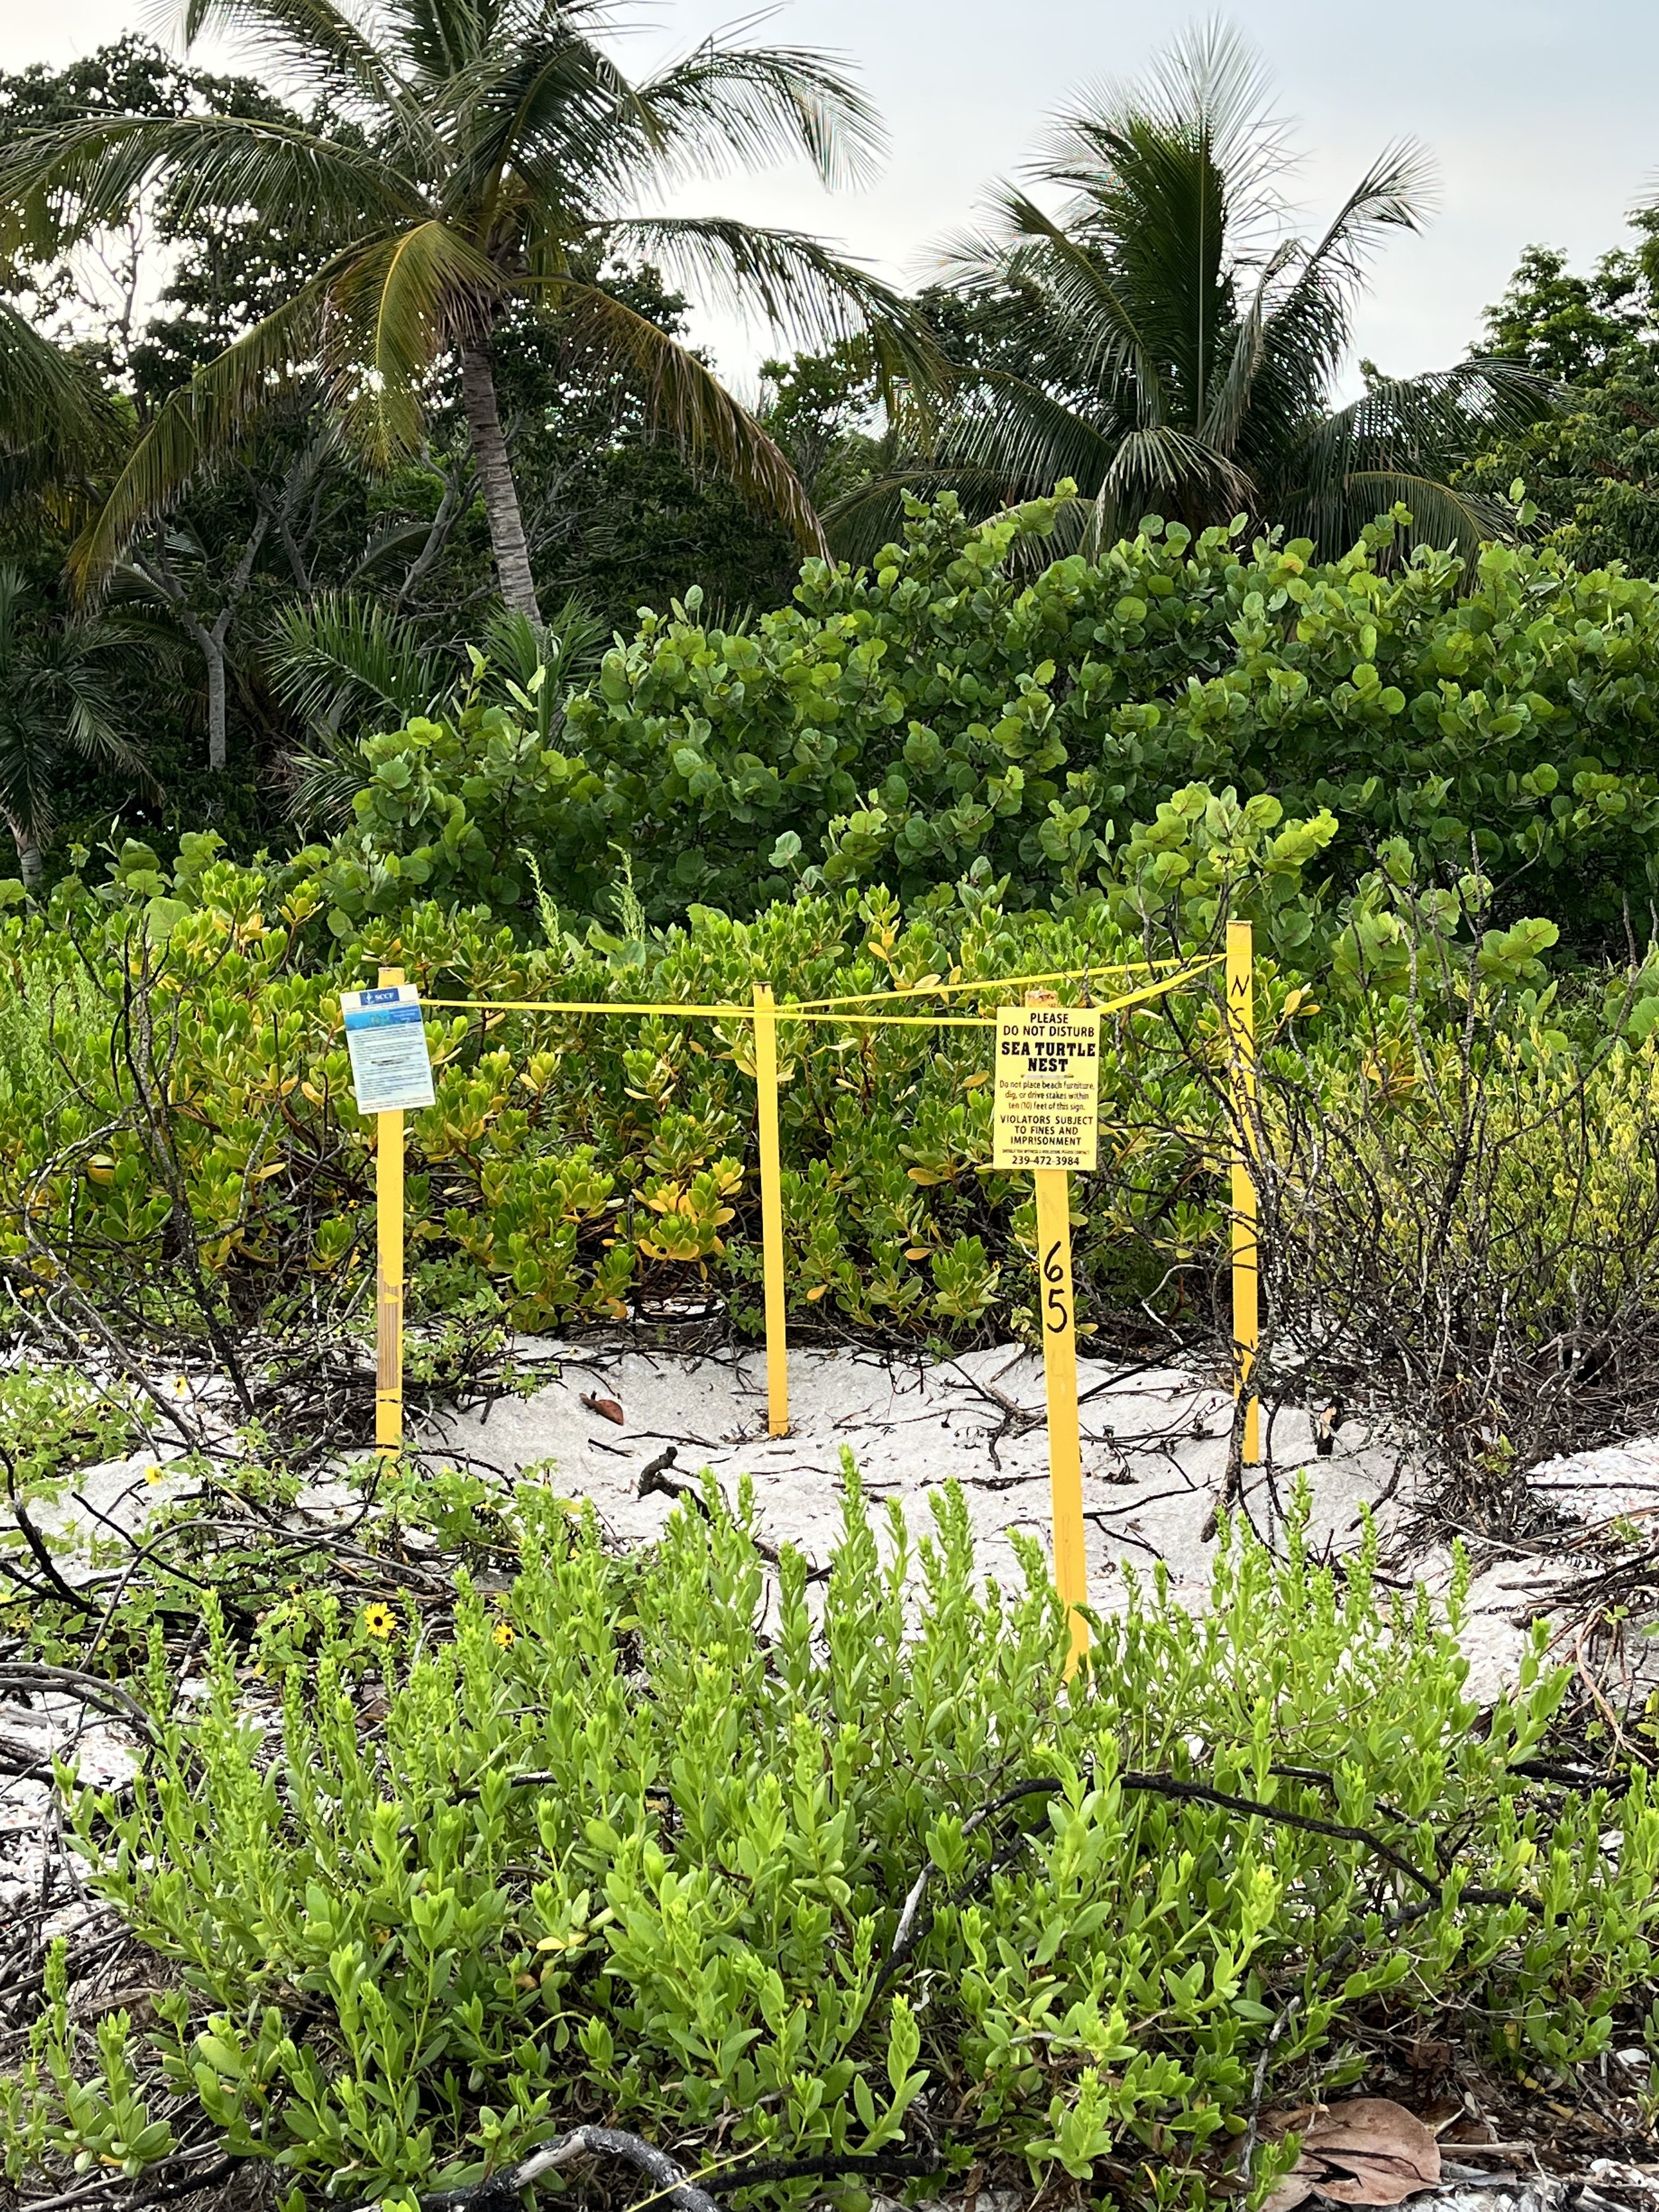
(615, 1852)
(960, 705)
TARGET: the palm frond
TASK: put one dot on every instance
(58, 695)
(1308, 328)
(1011, 435)
(793, 279)
(1442, 514)
(747, 107)
(1161, 463)
(1430, 422)
(393, 309)
(566, 641)
(1162, 224)
(57, 422)
(1397, 192)
(686, 397)
(322, 777)
(311, 38)
(344, 655)
(1209, 89)
(197, 424)
(543, 125)
(58, 185)
(1406, 438)
(1080, 289)
(1234, 384)
(442, 41)
(872, 514)
(396, 541)
(539, 660)
(90, 731)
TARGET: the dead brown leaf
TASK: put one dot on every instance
(1367, 2151)
(608, 1407)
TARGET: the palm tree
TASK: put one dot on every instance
(480, 155)
(57, 699)
(1179, 342)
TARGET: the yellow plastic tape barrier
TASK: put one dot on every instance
(817, 1010)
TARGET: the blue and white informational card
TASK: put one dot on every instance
(385, 1036)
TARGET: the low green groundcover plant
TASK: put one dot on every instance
(632, 1844)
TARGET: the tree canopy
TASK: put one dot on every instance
(458, 158)
(1591, 468)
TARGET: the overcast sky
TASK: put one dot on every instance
(1544, 118)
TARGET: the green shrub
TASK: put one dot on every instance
(54, 1420)
(958, 706)
(617, 1853)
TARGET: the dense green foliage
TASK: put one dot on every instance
(1592, 467)
(614, 1850)
(58, 686)
(630, 1839)
(454, 170)
(615, 508)
(570, 1169)
(947, 712)
(553, 1179)
(566, 1168)
(592, 375)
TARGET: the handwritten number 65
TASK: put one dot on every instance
(1055, 1302)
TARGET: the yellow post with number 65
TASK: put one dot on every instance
(1241, 1083)
(1047, 1118)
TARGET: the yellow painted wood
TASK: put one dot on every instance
(766, 1107)
(1242, 1080)
(1057, 1315)
(1053, 1188)
(389, 1272)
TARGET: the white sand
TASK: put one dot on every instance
(1155, 1446)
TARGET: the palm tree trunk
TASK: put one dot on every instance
(500, 494)
(31, 865)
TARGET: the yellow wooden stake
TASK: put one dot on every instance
(1241, 1075)
(1057, 1312)
(1053, 1188)
(766, 1104)
(388, 1276)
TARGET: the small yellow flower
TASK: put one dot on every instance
(378, 1619)
(152, 1474)
(503, 1634)
(180, 1386)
